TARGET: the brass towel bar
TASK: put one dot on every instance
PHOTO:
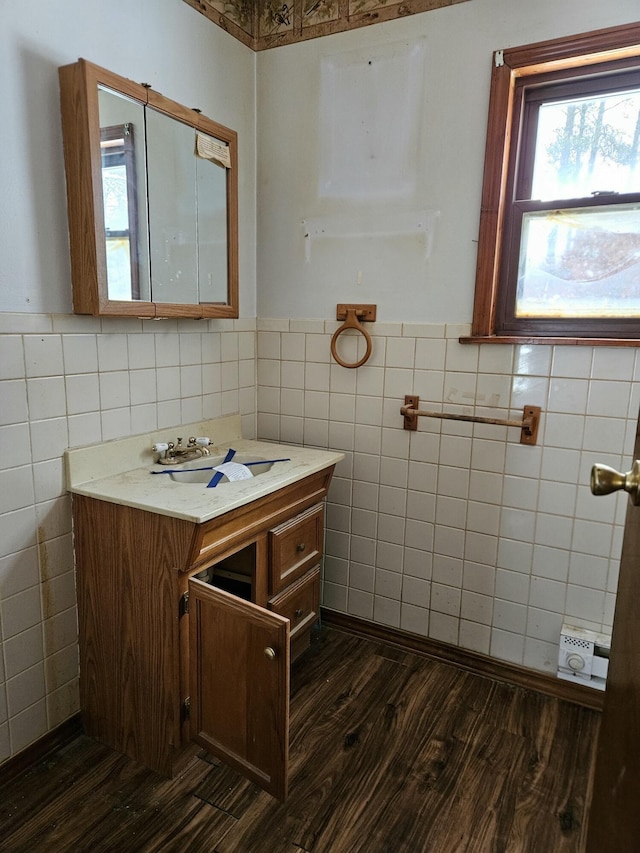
(528, 425)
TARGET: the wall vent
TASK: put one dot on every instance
(583, 656)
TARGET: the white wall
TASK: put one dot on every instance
(67, 380)
(455, 532)
(446, 173)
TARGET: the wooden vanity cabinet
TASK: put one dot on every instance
(187, 630)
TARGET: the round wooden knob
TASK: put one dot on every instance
(298, 613)
(270, 653)
(301, 546)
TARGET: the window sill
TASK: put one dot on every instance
(550, 341)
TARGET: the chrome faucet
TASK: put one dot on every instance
(174, 453)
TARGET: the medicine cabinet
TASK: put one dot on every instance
(152, 200)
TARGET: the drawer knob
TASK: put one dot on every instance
(301, 546)
(298, 613)
(270, 653)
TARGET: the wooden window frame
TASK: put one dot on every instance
(615, 44)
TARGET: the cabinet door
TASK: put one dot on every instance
(239, 674)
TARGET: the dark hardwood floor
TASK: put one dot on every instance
(390, 753)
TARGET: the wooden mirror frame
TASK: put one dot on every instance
(81, 136)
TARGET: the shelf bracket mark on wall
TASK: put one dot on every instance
(366, 225)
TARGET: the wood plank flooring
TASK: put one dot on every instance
(390, 753)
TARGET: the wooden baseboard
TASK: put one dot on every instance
(480, 664)
(38, 750)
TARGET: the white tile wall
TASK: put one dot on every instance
(457, 531)
(68, 381)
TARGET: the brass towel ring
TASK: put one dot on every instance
(351, 314)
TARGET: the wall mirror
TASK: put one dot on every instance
(152, 200)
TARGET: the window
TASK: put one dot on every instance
(120, 210)
(559, 246)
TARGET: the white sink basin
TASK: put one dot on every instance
(118, 471)
(191, 472)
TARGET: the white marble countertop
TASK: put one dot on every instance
(88, 472)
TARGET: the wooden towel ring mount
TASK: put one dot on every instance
(353, 315)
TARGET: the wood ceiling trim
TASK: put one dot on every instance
(272, 23)
(224, 22)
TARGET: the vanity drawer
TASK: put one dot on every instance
(294, 547)
(299, 603)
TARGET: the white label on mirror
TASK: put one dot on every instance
(211, 149)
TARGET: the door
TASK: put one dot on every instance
(614, 818)
(239, 680)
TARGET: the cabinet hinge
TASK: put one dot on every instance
(186, 708)
(184, 603)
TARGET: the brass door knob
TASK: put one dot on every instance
(605, 480)
(270, 653)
